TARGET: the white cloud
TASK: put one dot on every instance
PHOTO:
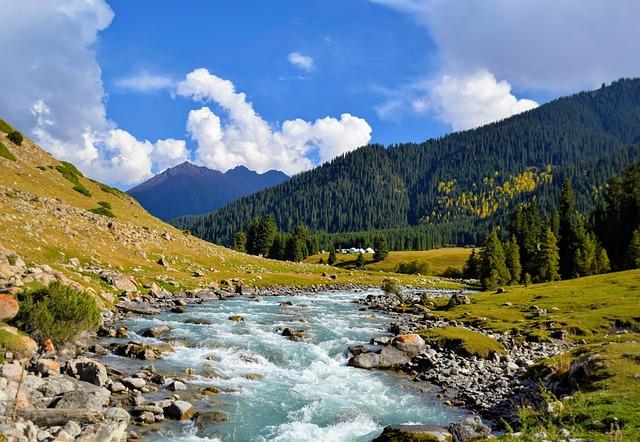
(245, 138)
(304, 62)
(463, 101)
(557, 46)
(53, 91)
(145, 82)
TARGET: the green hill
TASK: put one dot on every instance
(445, 190)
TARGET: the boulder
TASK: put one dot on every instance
(365, 360)
(458, 299)
(391, 357)
(469, 429)
(138, 308)
(412, 343)
(178, 309)
(46, 367)
(176, 386)
(179, 410)
(198, 321)
(236, 318)
(78, 398)
(121, 282)
(294, 335)
(137, 350)
(357, 349)
(9, 307)
(205, 418)
(414, 433)
(133, 383)
(155, 332)
(88, 370)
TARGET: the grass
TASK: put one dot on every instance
(73, 175)
(440, 259)
(6, 153)
(102, 211)
(463, 341)
(105, 204)
(12, 342)
(5, 127)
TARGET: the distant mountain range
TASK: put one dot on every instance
(452, 187)
(188, 189)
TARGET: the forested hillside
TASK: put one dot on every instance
(446, 190)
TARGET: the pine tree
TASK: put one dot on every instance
(548, 257)
(381, 248)
(265, 232)
(585, 259)
(277, 250)
(360, 261)
(633, 253)
(568, 231)
(471, 268)
(512, 258)
(604, 266)
(252, 233)
(294, 249)
(493, 259)
(332, 256)
(239, 242)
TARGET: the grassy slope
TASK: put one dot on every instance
(440, 259)
(602, 310)
(43, 236)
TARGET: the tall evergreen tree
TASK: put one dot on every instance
(548, 257)
(493, 268)
(633, 252)
(240, 242)
(277, 250)
(586, 254)
(568, 231)
(512, 257)
(265, 232)
(252, 234)
(360, 261)
(381, 248)
(604, 266)
(472, 266)
(332, 256)
(294, 249)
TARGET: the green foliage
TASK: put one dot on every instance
(6, 153)
(294, 249)
(452, 272)
(415, 267)
(391, 286)
(105, 204)
(57, 312)
(360, 261)
(493, 267)
(548, 258)
(463, 341)
(472, 266)
(381, 248)
(15, 137)
(634, 250)
(113, 191)
(73, 175)
(332, 257)
(239, 242)
(102, 211)
(394, 191)
(569, 235)
(278, 247)
(513, 260)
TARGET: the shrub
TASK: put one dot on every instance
(15, 137)
(72, 174)
(452, 272)
(57, 312)
(102, 211)
(391, 286)
(105, 204)
(6, 153)
(414, 267)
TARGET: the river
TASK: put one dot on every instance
(305, 391)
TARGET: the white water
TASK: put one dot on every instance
(308, 392)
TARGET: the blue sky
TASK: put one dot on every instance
(125, 89)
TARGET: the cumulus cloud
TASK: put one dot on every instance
(244, 137)
(550, 45)
(145, 82)
(304, 62)
(54, 91)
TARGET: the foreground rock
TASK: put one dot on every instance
(397, 354)
(467, 430)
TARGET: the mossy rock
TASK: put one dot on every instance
(414, 433)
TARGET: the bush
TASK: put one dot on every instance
(414, 267)
(15, 137)
(57, 312)
(102, 211)
(6, 153)
(105, 204)
(452, 272)
(72, 174)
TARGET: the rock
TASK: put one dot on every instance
(500, 290)
(391, 357)
(163, 262)
(12, 371)
(72, 428)
(146, 417)
(48, 346)
(414, 433)
(357, 349)
(198, 321)
(179, 410)
(46, 367)
(205, 418)
(176, 386)
(98, 349)
(133, 383)
(154, 332)
(108, 431)
(74, 262)
(117, 387)
(121, 282)
(469, 429)
(208, 391)
(365, 360)
(178, 309)
(294, 335)
(78, 398)
(137, 350)
(9, 307)
(458, 299)
(253, 376)
(381, 340)
(413, 344)
(236, 318)
(138, 308)
(88, 370)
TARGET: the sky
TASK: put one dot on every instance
(125, 89)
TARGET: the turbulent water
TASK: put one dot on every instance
(307, 393)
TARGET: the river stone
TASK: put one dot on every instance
(78, 398)
(469, 429)
(138, 308)
(206, 418)
(458, 299)
(88, 370)
(236, 318)
(365, 360)
(414, 433)
(117, 387)
(198, 321)
(357, 349)
(391, 357)
(9, 307)
(46, 367)
(179, 410)
(410, 343)
(176, 385)
(134, 383)
(154, 332)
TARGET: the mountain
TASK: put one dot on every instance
(449, 188)
(188, 189)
